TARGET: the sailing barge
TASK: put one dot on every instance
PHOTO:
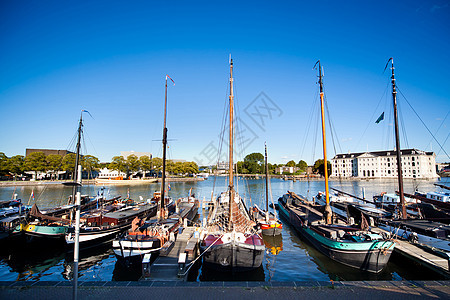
(231, 242)
(357, 247)
(353, 246)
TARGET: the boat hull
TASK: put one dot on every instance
(91, 238)
(132, 252)
(371, 256)
(233, 256)
(44, 234)
(271, 231)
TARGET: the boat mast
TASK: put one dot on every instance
(230, 150)
(266, 167)
(77, 158)
(397, 143)
(327, 212)
(164, 141)
(76, 192)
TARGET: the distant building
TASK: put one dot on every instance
(47, 151)
(177, 160)
(383, 164)
(285, 169)
(125, 154)
(440, 167)
(222, 166)
(106, 173)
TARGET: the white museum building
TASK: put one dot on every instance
(383, 164)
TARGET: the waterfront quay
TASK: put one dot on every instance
(227, 290)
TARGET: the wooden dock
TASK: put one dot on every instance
(173, 260)
(427, 259)
(431, 259)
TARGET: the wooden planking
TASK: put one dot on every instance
(432, 261)
(166, 267)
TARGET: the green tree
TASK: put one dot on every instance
(146, 163)
(271, 168)
(302, 165)
(170, 167)
(3, 164)
(54, 163)
(15, 164)
(119, 164)
(190, 167)
(241, 168)
(318, 167)
(90, 163)
(103, 165)
(133, 164)
(36, 162)
(290, 163)
(254, 163)
(157, 163)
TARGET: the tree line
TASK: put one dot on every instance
(52, 163)
(133, 164)
(254, 164)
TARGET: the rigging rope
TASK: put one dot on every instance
(402, 123)
(332, 129)
(423, 122)
(443, 143)
(310, 122)
(442, 123)
(373, 114)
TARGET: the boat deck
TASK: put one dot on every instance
(427, 259)
(166, 266)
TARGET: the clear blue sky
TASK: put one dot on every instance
(111, 57)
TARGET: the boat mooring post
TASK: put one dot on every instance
(76, 249)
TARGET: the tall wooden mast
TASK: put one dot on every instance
(397, 142)
(164, 141)
(230, 150)
(266, 167)
(327, 212)
(76, 198)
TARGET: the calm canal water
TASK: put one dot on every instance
(286, 259)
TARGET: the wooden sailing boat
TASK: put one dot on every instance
(267, 221)
(99, 221)
(427, 232)
(148, 237)
(357, 247)
(231, 242)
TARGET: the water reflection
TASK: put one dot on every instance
(287, 258)
(90, 261)
(273, 243)
(33, 264)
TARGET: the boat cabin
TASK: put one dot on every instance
(439, 196)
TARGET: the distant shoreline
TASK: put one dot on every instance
(102, 182)
(195, 179)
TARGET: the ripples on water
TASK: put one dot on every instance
(297, 261)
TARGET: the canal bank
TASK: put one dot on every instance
(227, 290)
(100, 182)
